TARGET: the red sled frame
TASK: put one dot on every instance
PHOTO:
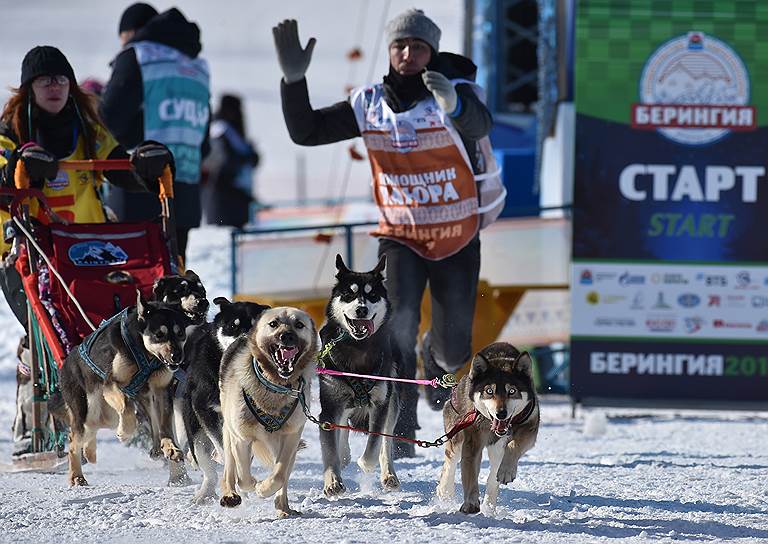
(60, 245)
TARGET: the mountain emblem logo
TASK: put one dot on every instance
(97, 253)
(694, 90)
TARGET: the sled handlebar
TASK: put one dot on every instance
(98, 164)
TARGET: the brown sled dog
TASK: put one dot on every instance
(264, 378)
(499, 388)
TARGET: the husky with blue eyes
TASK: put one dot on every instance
(356, 338)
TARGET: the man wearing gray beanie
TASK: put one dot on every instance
(425, 129)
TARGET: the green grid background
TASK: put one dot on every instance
(614, 38)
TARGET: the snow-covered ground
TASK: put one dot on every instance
(607, 475)
(619, 476)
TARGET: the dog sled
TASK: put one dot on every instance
(74, 277)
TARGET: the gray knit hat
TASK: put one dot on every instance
(414, 24)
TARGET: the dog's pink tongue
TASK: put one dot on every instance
(288, 353)
(499, 426)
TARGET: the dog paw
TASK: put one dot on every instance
(205, 496)
(287, 513)
(506, 476)
(446, 491)
(77, 481)
(470, 507)
(247, 485)
(390, 483)
(170, 451)
(155, 453)
(230, 501)
(367, 465)
(333, 487)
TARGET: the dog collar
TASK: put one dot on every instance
(276, 387)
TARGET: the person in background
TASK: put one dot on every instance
(133, 18)
(160, 90)
(228, 190)
(424, 120)
(49, 118)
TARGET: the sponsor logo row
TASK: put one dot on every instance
(688, 325)
(659, 300)
(742, 279)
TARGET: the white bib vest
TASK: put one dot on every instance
(428, 196)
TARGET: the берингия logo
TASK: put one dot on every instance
(694, 90)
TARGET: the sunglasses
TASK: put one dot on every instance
(47, 81)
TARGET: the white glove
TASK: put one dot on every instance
(442, 89)
(293, 60)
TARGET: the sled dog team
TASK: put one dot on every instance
(236, 388)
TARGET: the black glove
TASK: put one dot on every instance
(39, 163)
(149, 160)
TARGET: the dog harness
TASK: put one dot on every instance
(273, 422)
(147, 365)
(360, 387)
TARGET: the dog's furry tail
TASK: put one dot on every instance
(264, 455)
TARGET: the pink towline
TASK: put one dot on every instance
(433, 382)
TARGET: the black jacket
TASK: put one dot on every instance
(307, 126)
(122, 108)
(54, 133)
(223, 201)
(123, 99)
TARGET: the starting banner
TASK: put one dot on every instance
(670, 224)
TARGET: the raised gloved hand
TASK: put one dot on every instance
(293, 60)
(39, 163)
(442, 89)
(149, 160)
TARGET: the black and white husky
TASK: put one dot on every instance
(356, 339)
(187, 292)
(499, 393)
(130, 359)
(200, 402)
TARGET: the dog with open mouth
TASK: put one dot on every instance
(356, 338)
(499, 397)
(129, 359)
(200, 399)
(264, 383)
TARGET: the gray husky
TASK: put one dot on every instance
(499, 391)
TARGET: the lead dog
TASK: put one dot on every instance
(129, 359)
(499, 392)
(356, 339)
(201, 404)
(264, 380)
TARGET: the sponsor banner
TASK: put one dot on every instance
(669, 301)
(670, 181)
(672, 371)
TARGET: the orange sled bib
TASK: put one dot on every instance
(423, 182)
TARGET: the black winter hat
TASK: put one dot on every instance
(45, 60)
(136, 16)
